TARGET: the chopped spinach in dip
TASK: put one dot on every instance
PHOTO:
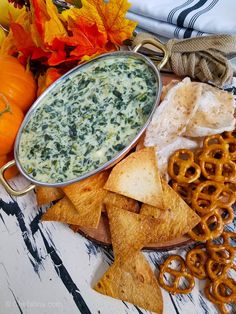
(87, 119)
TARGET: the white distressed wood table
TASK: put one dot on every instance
(47, 268)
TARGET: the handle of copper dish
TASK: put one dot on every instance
(158, 45)
(7, 186)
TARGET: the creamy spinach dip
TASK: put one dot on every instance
(87, 119)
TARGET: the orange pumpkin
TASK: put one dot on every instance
(10, 120)
(3, 160)
(11, 172)
(16, 83)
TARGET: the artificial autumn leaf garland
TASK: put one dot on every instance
(53, 42)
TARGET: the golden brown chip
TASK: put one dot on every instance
(91, 183)
(121, 201)
(46, 195)
(88, 192)
(130, 232)
(132, 281)
(137, 177)
(87, 213)
(178, 218)
(153, 211)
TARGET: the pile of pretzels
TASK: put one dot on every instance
(206, 180)
(213, 262)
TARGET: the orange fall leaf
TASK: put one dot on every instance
(45, 80)
(77, 34)
(86, 39)
(109, 17)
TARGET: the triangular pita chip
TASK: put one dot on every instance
(75, 190)
(117, 200)
(154, 212)
(88, 192)
(130, 232)
(46, 195)
(137, 177)
(87, 213)
(177, 217)
(132, 281)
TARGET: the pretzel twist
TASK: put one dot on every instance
(210, 227)
(231, 148)
(182, 168)
(209, 195)
(215, 159)
(231, 186)
(224, 289)
(196, 261)
(211, 297)
(213, 140)
(227, 214)
(215, 269)
(209, 294)
(222, 253)
(227, 237)
(229, 134)
(185, 190)
(212, 201)
(177, 275)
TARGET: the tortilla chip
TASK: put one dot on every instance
(130, 232)
(137, 177)
(87, 213)
(91, 183)
(172, 115)
(215, 113)
(121, 201)
(63, 211)
(132, 281)
(88, 192)
(177, 219)
(153, 211)
(46, 195)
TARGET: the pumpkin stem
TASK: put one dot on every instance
(7, 105)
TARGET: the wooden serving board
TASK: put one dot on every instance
(102, 235)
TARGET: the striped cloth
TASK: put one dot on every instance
(185, 18)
